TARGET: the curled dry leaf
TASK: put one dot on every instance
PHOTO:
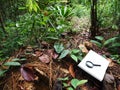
(44, 58)
(38, 53)
(83, 48)
(111, 63)
(109, 78)
(27, 73)
(52, 54)
(71, 70)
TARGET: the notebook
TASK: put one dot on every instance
(94, 64)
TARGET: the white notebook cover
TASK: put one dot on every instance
(97, 72)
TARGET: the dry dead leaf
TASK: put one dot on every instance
(111, 63)
(88, 45)
(109, 78)
(44, 58)
(83, 48)
(71, 70)
(38, 53)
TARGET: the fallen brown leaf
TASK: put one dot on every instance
(83, 48)
(71, 70)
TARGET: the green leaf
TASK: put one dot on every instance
(12, 64)
(15, 59)
(99, 38)
(70, 88)
(2, 72)
(97, 43)
(65, 85)
(111, 40)
(81, 82)
(74, 57)
(63, 54)
(76, 82)
(63, 79)
(75, 51)
(58, 47)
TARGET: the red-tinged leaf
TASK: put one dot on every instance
(50, 52)
(27, 73)
(55, 55)
(71, 70)
(38, 53)
(44, 58)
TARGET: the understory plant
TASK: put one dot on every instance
(101, 42)
(5, 66)
(74, 83)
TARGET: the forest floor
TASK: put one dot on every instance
(48, 71)
(41, 69)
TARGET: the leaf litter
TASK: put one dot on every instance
(41, 69)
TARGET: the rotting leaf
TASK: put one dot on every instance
(44, 58)
(55, 55)
(71, 70)
(27, 73)
(109, 78)
(38, 53)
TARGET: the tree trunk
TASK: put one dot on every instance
(94, 25)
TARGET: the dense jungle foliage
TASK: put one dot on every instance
(28, 22)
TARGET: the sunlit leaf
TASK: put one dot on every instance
(99, 38)
(63, 54)
(97, 43)
(27, 73)
(58, 47)
(70, 88)
(12, 64)
(63, 79)
(75, 51)
(76, 82)
(74, 57)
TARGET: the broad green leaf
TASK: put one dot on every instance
(15, 59)
(74, 57)
(99, 38)
(111, 40)
(97, 43)
(81, 82)
(75, 51)
(12, 64)
(80, 57)
(116, 45)
(65, 85)
(63, 54)
(76, 82)
(58, 47)
(70, 88)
